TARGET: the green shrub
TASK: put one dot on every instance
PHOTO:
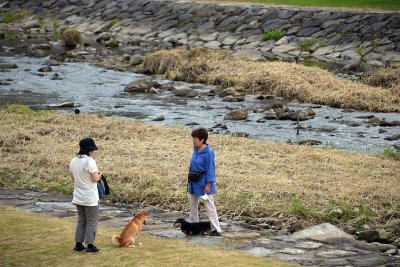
(65, 188)
(307, 44)
(55, 22)
(71, 37)
(41, 21)
(273, 34)
(18, 109)
(391, 152)
(56, 36)
(300, 209)
(9, 32)
(114, 21)
(10, 16)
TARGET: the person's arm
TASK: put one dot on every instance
(72, 178)
(95, 176)
(94, 171)
(210, 172)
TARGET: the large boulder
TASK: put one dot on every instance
(389, 123)
(5, 66)
(284, 51)
(45, 69)
(62, 105)
(235, 92)
(248, 54)
(322, 232)
(239, 114)
(284, 113)
(184, 91)
(393, 137)
(140, 85)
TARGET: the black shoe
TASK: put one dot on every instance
(92, 248)
(79, 247)
(215, 233)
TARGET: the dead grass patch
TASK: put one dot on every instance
(148, 164)
(387, 78)
(290, 80)
(71, 37)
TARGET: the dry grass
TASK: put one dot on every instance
(387, 78)
(148, 163)
(290, 80)
(360, 6)
(71, 37)
(38, 240)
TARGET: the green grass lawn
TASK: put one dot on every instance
(28, 239)
(368, 4)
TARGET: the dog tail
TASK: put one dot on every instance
(115, 240)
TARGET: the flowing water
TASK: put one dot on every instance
(97, 90)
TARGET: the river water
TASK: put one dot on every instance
(97, 90)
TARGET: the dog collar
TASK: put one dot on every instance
(137, 218)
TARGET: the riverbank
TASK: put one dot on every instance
(289, 80)
(147, 164)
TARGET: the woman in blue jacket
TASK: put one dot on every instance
(202, 164)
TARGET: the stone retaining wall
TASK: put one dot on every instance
(367, 38)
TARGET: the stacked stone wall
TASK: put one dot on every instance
(347, 37)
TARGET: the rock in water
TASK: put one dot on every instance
(62, 105)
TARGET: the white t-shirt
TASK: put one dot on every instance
(85, 190)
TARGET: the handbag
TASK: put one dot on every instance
(195, 176)
(103, 189)
(100, 189)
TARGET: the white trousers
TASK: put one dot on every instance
(210, 209)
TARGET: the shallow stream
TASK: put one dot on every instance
(94, 89)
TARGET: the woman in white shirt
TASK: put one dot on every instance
(85, 174)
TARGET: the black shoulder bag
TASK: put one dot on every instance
(195, 176)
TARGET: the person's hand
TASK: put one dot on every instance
(207, 189)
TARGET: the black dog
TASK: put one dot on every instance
(198, 228)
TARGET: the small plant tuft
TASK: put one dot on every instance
(11, 16)
(114, 22)
(307, 44)
(18, 109)
(273, 34)
(9, 33)
(55, 22)
(41, 21)
(71, 37)
(56, 36)
(391, 152)
(300, 209)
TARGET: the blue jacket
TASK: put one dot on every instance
(203, 161)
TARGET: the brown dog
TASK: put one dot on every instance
(134, 227)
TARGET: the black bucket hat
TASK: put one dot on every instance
(87, 144)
